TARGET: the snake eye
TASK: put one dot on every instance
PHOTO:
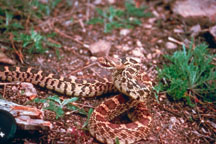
(130, 60)
(123, 60)
(134, 60)
(104, 62)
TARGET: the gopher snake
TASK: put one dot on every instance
(126, 79)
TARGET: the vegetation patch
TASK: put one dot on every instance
(55, 104)
(15, 17)
(190, 75)
(113, 18)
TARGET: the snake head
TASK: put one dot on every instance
(111, 63)
(129, 61)
(118, 64)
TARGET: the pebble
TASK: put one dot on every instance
(116, 56)
(137, 52)
(100, 48)
(96, 2)
(178, 30)
(182, 120)
(80, 73)
(111, 1)
(125, 48)
(93, 58)
(139, 44)
(147, 26)
(170, 45)
(124, 32)
(213, 32)
(173, 120)
(149, 56)
(195, 30)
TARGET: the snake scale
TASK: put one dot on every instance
(126, 78)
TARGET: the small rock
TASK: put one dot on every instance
(195, 30)
(111, 1)
(139, 44)
(5, 59)
(96, 2)
(147, 26)
(173, 120)
(149, 56)
(196, 10)
(137, 52)
(123, 47)
(182, 120)
(124, 32)
(152, 20)
(171, 45)
(178, 30)
(100, 48)
(213, 32)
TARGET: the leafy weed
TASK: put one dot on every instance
(190, 76)
(33, 42)
(13, 18)
(55, 104)
(113, 18)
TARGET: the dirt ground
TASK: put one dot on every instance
(150, 41)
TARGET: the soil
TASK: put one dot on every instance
(173, 122)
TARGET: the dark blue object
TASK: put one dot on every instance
(7, 126)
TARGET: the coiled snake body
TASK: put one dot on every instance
(126, 78)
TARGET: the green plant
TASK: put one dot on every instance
(8, 23)
(113, 18)
(56, 105)
(117, 141)
(39, 8)
(190, 75)
(89, 114)
(36, 8)
(14, 15)
(13, 12)
(33, 41)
